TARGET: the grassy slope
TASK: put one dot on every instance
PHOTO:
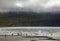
(5, 21)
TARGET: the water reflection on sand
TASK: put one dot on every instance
(19, 38)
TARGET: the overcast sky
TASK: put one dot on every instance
(30, 5)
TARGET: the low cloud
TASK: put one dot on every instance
(30, 5)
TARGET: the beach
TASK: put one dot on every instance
(19, 38)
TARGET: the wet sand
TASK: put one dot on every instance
(19, 38)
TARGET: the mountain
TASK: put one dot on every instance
(31, 18)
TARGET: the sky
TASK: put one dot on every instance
(30, 5)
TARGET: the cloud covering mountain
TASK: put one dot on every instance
(30, 5)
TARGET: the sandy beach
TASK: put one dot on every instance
(19, 38)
